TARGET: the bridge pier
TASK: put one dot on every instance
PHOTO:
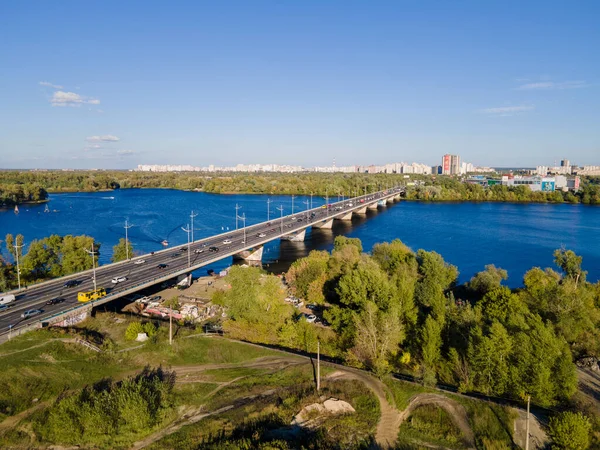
(254, 254)
(362, 210)
(326, 224)
(397, 197)
(346, 217)
(372, 206)
(295, 237)
(389, 200)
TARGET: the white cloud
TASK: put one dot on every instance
(92, 147)
(551, 85)
(104, 138)
(61, 98)
(507, 110)
(48, 84)
(126, 152)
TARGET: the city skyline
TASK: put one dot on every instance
(110, 85)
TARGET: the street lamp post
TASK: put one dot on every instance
(92, 252)
(311, 194)
(236, 215)
(188, 231)
(243, 217)
(293, 196)
(192, 215)
(127, 227)
(306, 202)
(280, 208)
(269, 201)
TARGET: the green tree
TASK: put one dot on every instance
(431, 343)
(570, 264)
(122, 250)
(132, 331)
(570, 431)
(341, 241)
(490, 278)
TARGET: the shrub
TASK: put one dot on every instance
(132, 331)
(570, 431)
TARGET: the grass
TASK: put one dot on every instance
(431, 424)
(403, 391)
(259, 419)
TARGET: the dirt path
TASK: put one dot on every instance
(390, 419)
(457, 413)
(12, 421)
(537, 436)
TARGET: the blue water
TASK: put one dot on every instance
(515, 237)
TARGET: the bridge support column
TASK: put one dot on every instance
(397, 197)
(389, 200)
(372, 206)
(327, 224)
(362, 210)
(345, 217)
(254, 254)
(295, 237)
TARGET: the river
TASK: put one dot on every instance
(515, 237)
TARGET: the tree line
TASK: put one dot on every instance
(18, 187)
(403, 311)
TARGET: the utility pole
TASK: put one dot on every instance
(171, 323)
(326, 203)
(192, 215)
(293, 196)
(236, 215)
(318, 365)
(188, 230)
(92, 252)
(280, 208)
(127, 227)
(527, 427)
(306, 202)
(311, 194)
(17, 251)
(243, 217)
(269, 201)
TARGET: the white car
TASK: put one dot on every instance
(226, 241)
(310, 318)
(140, 261)
(199, 250)
(116, 280)
(261, 235)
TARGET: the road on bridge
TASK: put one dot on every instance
(175, 260)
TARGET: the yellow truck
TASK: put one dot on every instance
(91, 295)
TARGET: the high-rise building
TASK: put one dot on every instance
(450, 165)
(565, 163)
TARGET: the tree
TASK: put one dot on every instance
(367, 282)
(431, 343)
(394, 256)
(341, 241)
(570, 264)
(132, 331)
(490, 278)
(122, 250)
(378, 335)
(570, 431)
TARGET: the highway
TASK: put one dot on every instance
(142, 275)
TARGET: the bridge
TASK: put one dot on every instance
(157, 267)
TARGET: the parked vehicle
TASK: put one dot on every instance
(7, 299)
(31, 312)
(310, 318)
(91, 295)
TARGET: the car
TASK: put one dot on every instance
(116, 280)
(199, 250)
(310, 318)
(162, 266)
(55, 301)
(71, 283)
(324, 206)
(31, 312)
(175, 255)
(299, 220)
(227, 242)
(213, 249)
(140, 261)
(272, 230)
(4, 307)
(261, 235)
(156, 298)
(183, 249)
(312, 307)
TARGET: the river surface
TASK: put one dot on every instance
(515, 237)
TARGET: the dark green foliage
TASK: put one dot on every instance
(100, 414)
(570, 431)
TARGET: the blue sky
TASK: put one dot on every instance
(113, 84)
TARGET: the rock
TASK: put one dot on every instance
(141, 337)
(311, 416)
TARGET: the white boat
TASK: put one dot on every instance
(16, 209)
(46, 209)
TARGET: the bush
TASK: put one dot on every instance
(570, 431)
(132, 331)
(149, 329)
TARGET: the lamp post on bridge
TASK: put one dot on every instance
(243, 217)
(280, 208)
(192, 215)
(269, 201)
(306, 202)
(188, 230)
(293, 196)
(92, 252)
(127, 227)
(237, 207)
